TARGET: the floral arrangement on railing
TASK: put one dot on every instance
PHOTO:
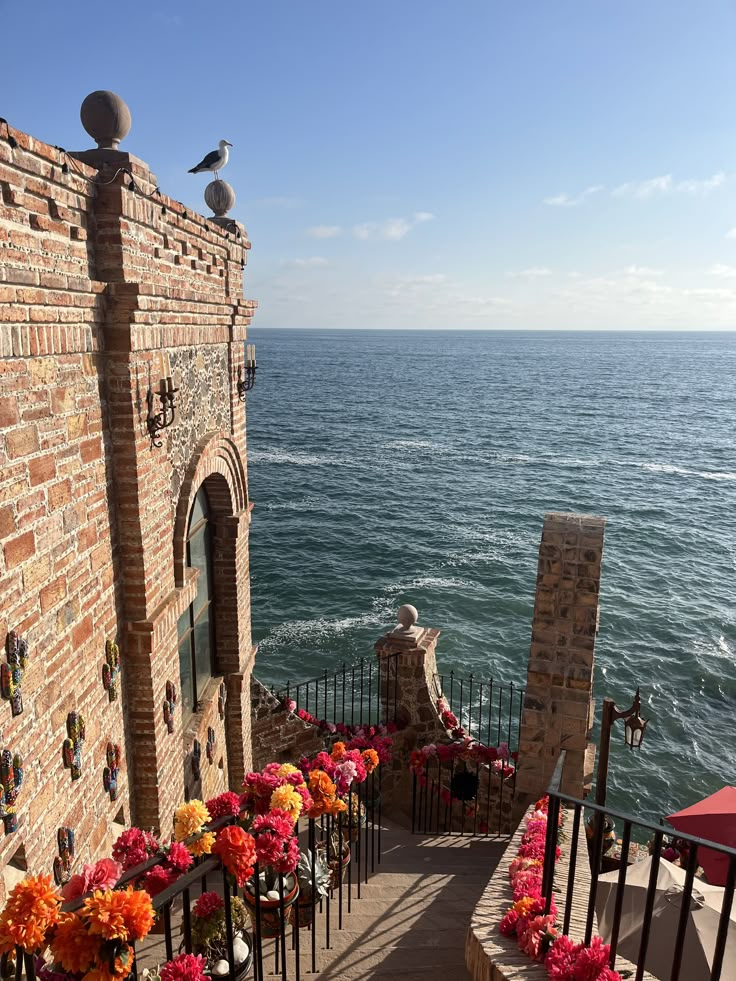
(355, 736)
(536, 933)
(498, 758)
(93, 943)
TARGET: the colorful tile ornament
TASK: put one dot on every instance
(221, 700)
(196, 760)
(11, 674)
(63, 862)
(170, 705)
(210, 747)
(111, 670)
(111, 771)
(72, 749)
(11, 775)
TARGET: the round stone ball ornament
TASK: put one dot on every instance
(106, 118)
(219, 196)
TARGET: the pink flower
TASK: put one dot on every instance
(179, 856)
(134, 847)
(157, 879)
(102, 875)
(503, 750)
(530, 937)
(591, 961)
(207, 904)
(290, 704)
(277, 822)
(560, 959)
(185, 967)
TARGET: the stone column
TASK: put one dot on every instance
(558, 704)
(410, 687)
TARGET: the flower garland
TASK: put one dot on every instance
(536, 934)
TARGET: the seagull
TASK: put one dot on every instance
(214, 160)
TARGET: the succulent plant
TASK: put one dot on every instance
(307, 861)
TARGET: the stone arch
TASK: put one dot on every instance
(217, 461)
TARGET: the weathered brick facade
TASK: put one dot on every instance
(104, 291)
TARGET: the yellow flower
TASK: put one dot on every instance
(287, 799)
(285, 769)
(189, 818)
(203, 845)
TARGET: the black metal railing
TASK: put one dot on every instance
(471, 793)
(490, 710)
(350, 846)
(360, 694)
(643, 941)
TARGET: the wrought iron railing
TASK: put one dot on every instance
(489, 710)
(634, 830)
(360, 694)
(471, 793)
(283, 949)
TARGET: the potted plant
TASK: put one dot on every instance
(354, 819)
(334, 851)
(277, 855)
(314, 884)
(209, 935)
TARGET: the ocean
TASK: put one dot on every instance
(392, 467)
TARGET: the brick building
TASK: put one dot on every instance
(107, 289)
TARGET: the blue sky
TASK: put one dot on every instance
(473, 164)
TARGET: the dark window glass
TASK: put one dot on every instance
(196, 625)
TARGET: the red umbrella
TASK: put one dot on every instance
(715, 819)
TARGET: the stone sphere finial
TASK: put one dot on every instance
(219, 196)
(407, 622)
(106, 118)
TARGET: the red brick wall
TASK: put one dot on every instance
(103, 292)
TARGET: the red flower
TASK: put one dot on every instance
(591, 961)
(560, 958)
(236, 849)
(227, 803)
(134, 847)
(508, 923)
(179, 856)
(157, 879)
(207, 904)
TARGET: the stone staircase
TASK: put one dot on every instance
(411, 921)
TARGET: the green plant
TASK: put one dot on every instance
(310, 866)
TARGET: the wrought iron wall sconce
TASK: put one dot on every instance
(158, 421)
(111, 670)
(11, 674)
(111, 771)
(72, 748)
(11, 774)
(246, 383)
(63, 863)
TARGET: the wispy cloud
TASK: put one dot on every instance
(666, 184)
(310, 262)
(391, 229)
(731, 233)
(645, 271)
(324, 231)
(566, 200)
(722, 271)
(533, 272)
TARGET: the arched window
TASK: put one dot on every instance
(197, 623)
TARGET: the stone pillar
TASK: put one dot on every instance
(557, 710)
(410, 687)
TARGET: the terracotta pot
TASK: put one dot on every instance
(338, 869)
(270, 910)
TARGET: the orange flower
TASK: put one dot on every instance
(324, 795)
(123, 915)
(32, 908)
(370, 759)
(73, 946)
(338, 751)
(237, 850)
(203, 845)
(523, 906)
(337, 806)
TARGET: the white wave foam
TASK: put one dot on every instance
(305, 504)
(411, 444)
(684, 472)
(281, 456)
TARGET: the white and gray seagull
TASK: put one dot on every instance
(214, 161)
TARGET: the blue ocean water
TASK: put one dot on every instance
(391, 467)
